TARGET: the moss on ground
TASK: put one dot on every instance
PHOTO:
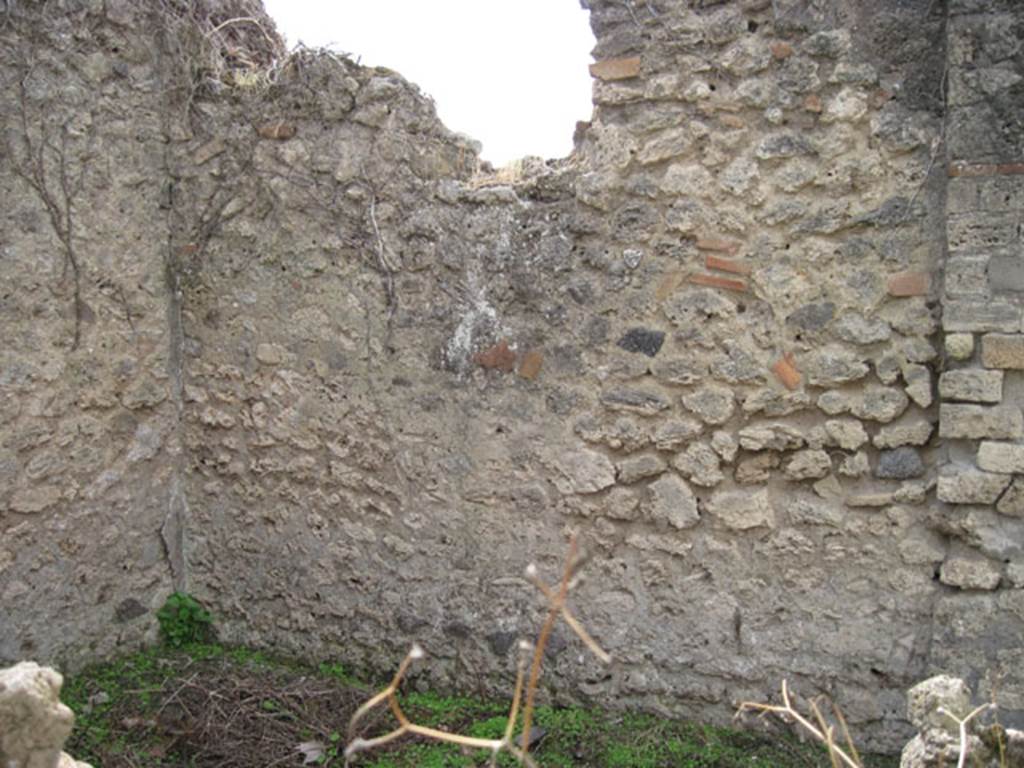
(207, 705)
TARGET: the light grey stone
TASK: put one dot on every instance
(970, 573)
(917, 431)
(925, 700)
(847, 434)
(975, 422)
(857, 329)
(757, 469)
(700, 465)
(770, 437)
(960, 346)
(725, 445)
(829, 366)
(1012, 502)
(584, 471)
(919, 546)
(970, 486)
(741, 511)
(712, 404)
(808, 464)
(880, 404)
(919, 384)
(974, 386)
(640, 466)
(669, 499)
(834, 403)
(34, 724)
(1007, 458)
(856, 465)
(977, 315)
(673, 435)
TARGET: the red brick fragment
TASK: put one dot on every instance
(188, 249)
(813, 103)
(616, 69)
(786, 372)
(499, 357)
(781, 50)
(529, 368)
(714, 244)
(714, 281)
(909, 284)
(280, 130)
(726, 265)
(986, 169)
(732, 121)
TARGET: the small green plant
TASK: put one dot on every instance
(183, 621)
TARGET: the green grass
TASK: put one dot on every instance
(121, 707)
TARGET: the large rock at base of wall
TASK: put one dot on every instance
(930, 705)
(33, 723)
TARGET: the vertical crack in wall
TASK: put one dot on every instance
(173, 529)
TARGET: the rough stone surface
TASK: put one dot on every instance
(300, 345)
(960, 346)
(1000, 422)
(972, 385)
(671, 500)
(1007, 458)
(33, 723)
(970, 573)
(1000, 350)
(741, 511)
(971, 487)
(899, 464)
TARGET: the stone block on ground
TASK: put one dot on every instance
(34, 724)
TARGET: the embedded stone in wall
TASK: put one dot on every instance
(1012, 502)
(966, 315)
(643, 402)
(1002, 351)
(975, 422)
(770, 437)
(972, 386)
(670, 499)
(847, 434)
(584, 471)
(741, 511)
(638, 467)
(899, 464)
(919, 384)
(970, 486)
(700, 465)
(960, 346)
(712, 404)
(917, 431)
(1007, 458)
(970, 573)
(809, 464)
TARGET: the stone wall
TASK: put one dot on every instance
(378, 381)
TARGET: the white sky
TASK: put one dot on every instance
(509, 73)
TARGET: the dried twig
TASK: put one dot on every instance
(824, 733)
(557, 608)
(962, 724)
